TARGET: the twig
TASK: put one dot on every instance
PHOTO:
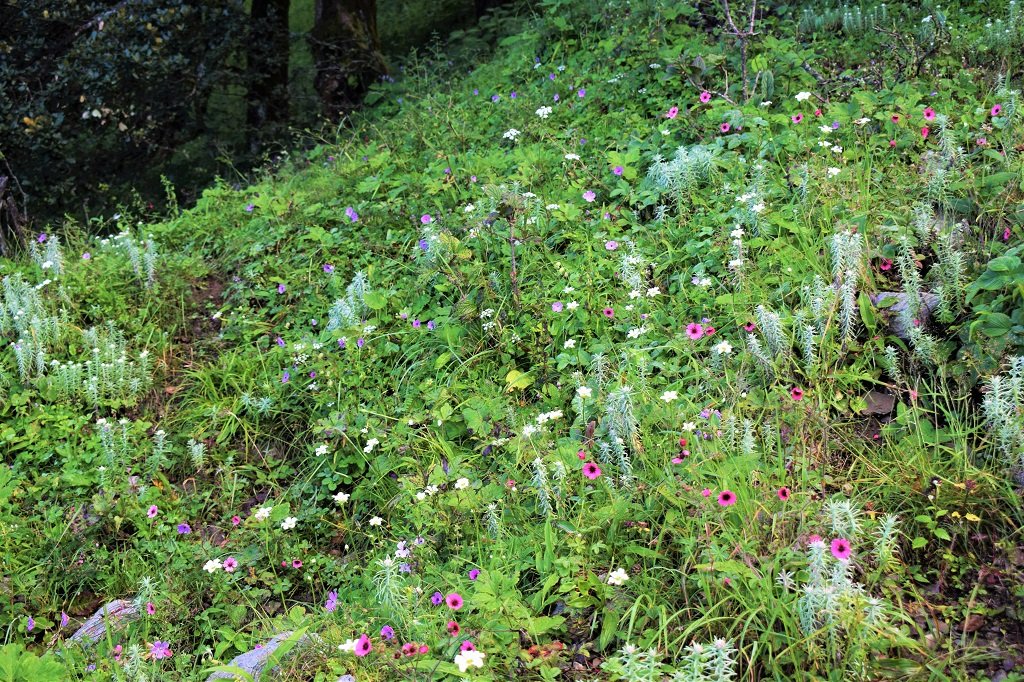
(743, 37)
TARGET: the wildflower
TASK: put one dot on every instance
(569, 344)
(895, 118)
(328, 268)
(467, 659)
(462, 484)
(618, 577)
(363, 646)
(572, 157)
(672, 112)
(376, 521)
(796, 393)
(30, 624)
(544, 112)
(589, 196)
(474, 573)
(454, 601)
(924, 132)
(288, 523)
(64, 619)
(996, 110)
(689, 426)
(833, 172)
(885, 264)
(426, 219)
(348, 646)
(86, 256)
(158, 650)
(153, 511)
(706, 492)
(184, 529)
(723, 348)
(572, 305)
(724, 127)
(332, 602)
(797, 119)
(611, 245)
(727, 498)
(281, 288)
(584, 392)
(436, 599)
(556, 306)
(262, 513)
(581, 93)
(802, 96)
(608, 312)
(351, 214)
(285, 377)
(511, 134)
(213, 565)
(841, 549)
(669, 396)
(929, 114)
(467, 646)
(708, 331)
(591, 470)
(618, 170)
(783, 493)
(453, 628)
(705, 97)
(694, 331)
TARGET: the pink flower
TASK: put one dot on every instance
(158, 650)
(618, 170)
(694, 331)
(363, 646)
(611, 245)
(230, 564)
(153, 511)
(892, 143)
(467, 646)
(783, 493)
(796, 393)
(997, 109)
(841, 549)
(812, 539)
(150, 608)
(454, 601)
(1006, 234)
(591, 470)
(724, 127)
(727, 498)
(798, 118)
(708, 331)
(885, 264)
(426, 219)
(982, 142)
(453, 628)
(929, 114)
(296, 563)
(608, 312)
(706, 492)
(749, 327)
(424, 648)
(671, 113)
(235, 520)
(589, 196)
(817, 112)
(895, 118)
(705, 97)
(924, 132)
(556, 306)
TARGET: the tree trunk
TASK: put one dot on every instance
(268, 67)
(346, 52)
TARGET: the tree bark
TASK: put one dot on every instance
(346, 52)
(268, 67)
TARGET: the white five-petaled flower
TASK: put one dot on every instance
(213, 565)
(462, 484)
(376, 521)
(467, 659)
(569, 343)
(618, 577)
(322, 450)
(263, 513)
(653, 291)
(669, 396)
(723, 348)
(288, 523)
(572, 157)
(349, 646)
(370, 445)
(572, 305)
(341, 497)
(802, 96)
(584, 392)
(689, 426)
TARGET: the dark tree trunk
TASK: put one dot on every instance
(346, 52)
(268, 67)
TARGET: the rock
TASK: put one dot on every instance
(878, 403)
(114, 615)
(253, 662)
(897, 325)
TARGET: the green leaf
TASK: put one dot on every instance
(942, 534)
(918, 543)
(516, 380)
(375, 300)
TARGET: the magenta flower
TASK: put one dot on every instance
(474, 574)
(727, 498)
(426, 219)
(591, 470)
(230, 564)
(997, 109)
(467, 646)
(798, 118)
(841, 549)
(153, 511)
(611, 245)
(608, 312)
(706, 492)
(796, 393)
(150, 608)
(618, 170)
(235, 520)
(453, 628)
(784, 493)
(724, 127)
(158, 650)
(694, 331)
(672, 113)
(705, 97)
(454, 601)
(929, 114)
(924, 132)
(363, 646)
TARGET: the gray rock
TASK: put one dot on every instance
(253, 662)
(894, 312)
(114, 615)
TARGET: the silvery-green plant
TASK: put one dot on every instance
(847, 250)
(770, 325)
(763, 362)
(542, 487)
(348, 310)
(843, 518)
(688, 169)
(493, 521)
(1003, 407)
(893, 365)
(715, 662)
(389, 589)
(952, 273)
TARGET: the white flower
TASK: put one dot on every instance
(862, 121)
(572, 157)
(572, 305)
(552, 207)
(47, 265)
(758, 207)
(529, 430)
(689, 426)
(213, 565)
(288, 523)
(263, 513)
(569, 343)
(341, 497)
(653, 291)
(511, 134)
(420, 496)
(568, 290)
(462, 484)
(723, 348)
(766, 103)
(736, 264)
(469, 208)
(802, 96)
(669, 396)
(376, 521)
(370, 445)
(833, 172)
(737, 233)
(349, 646)
(467, 659)
(618, 577)
(636, 332)
(824, 143)
(825, 129)
(322, 450)
(837, 149)
(431, 489)
(544, 112)
(584, 392)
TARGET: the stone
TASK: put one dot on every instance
(253, 662)
(893, 313)
(114, 615)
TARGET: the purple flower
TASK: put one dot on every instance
(474, 574)
(332, 602)
(437, 599)
(31, 622)
(351, 214)
(387, 632)
(551, 77)
(476, 91)
(426, 219)
(159, 650)
(556, 97)
(360, 342)
(557, 306)
(835, 125)
(285, 377)
(184, 529)
(280, 288)
(416, 324)
(495, 98)
(404, 568)
(64, 619)
(513, 95)
(341, 343)
(424, 245)
(618, 170)
(589, 196)
(431, 325)
(279, 341)
(328, 268)
(41, 238)
(250, 208)
(86, 256)
(581, 93)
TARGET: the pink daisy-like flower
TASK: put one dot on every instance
(885, 264)
(997, 109)
(694, 331)
(708, 331)
(611, 245)
(798, 118)
(424, 648)
(589, 196)
(454, 601)
(453, 628)
(363, 646)
(608, 312)
(727, 498)
(467, 646)
(235, 520)
(150, 608)
(796, 393)
(783, 493)
(929, 114)
(924, 132)
(153, 511)
(230, 564)
(895, 118)
(841, 549)
(591, 470)
(296, 563)
(813, 538)
(749, 327)
(724, 127)
(706, 492)
(426, 219)
(671, 113)
(705, 97)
